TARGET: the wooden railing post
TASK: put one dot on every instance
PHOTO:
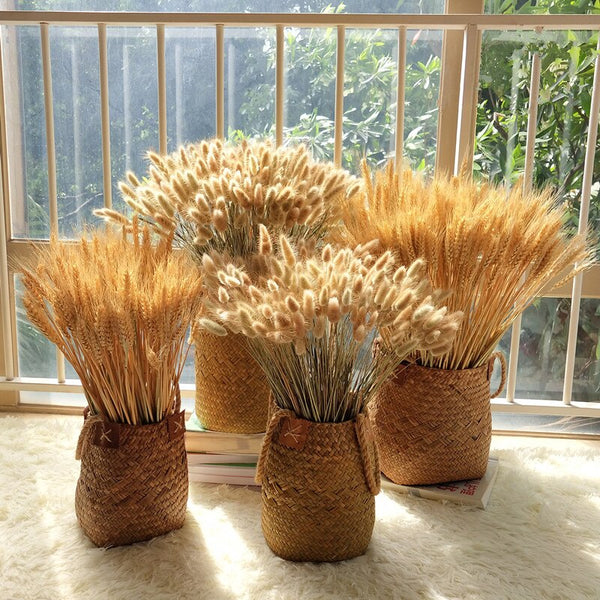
(449, 137)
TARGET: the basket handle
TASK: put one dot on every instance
(85, 434)
(491, 361)
(177, 401)
(276, 415)
(369, 452)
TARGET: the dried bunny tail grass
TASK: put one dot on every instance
(118, 309)
(312, 321)
(495, 250)
(214, 196)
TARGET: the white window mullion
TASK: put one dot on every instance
(515, 336)
(162, 88)
(400, 97)
(339, 96)
(220, 81)
(105, 115)
(51, 156)
(584, 211)
(279, 85)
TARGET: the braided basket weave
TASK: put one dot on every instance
(231, 390)
(318, 486)
(133, 483)
(435, 425)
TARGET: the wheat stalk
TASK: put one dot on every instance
(495, 249)
(312, 321)
(119, 311)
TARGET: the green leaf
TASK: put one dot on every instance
(575, 53)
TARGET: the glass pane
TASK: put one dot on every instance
(77, 130)
(188, 374)
(26, 133)
(423, 68)
(37, 355)
(249, 82)
(542, 349)
(504, 347)
(53, 398)
(133, 93)
(190, 64)
(586, 384)
(545, 423)
(563, 112)
(310, 89)
(539, 6)
(370, 80)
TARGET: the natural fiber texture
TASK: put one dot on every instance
(434, 425)
(318, 487)
(212, 197)
(231, 389)
(137, 490)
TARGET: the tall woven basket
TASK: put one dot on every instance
(435, 425)
(318, 486)
(231, 390)
(133, 483)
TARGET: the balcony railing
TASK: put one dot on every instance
(457, 140)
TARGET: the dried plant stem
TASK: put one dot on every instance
(332, 381)
(119, 311)
(496, 250)
(312, 321)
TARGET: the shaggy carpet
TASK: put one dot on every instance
(539, 537)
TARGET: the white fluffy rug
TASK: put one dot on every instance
(539, 537)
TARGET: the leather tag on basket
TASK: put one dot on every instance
(107, 435)
(293, 432)
(176, 425)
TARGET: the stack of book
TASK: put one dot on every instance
(217, 457)
(474, 492)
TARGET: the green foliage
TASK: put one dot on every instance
(369, 94)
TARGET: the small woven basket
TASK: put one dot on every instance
(435, 425)
(318, 486)
(133, 484)
(231, 390)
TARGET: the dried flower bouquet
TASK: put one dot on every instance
(119, 311)
(496, 251)
(213, 197)
(312, 325)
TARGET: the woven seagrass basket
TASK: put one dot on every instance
(133, 484)
(435, 425)
(318, 486)
(231, 390)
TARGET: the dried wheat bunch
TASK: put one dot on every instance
(313, 321)
(495, 249)
(212, 196)
(119, 311)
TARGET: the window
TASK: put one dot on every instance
(250, 87)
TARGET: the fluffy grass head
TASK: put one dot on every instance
(312, 322)
(213, 196)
